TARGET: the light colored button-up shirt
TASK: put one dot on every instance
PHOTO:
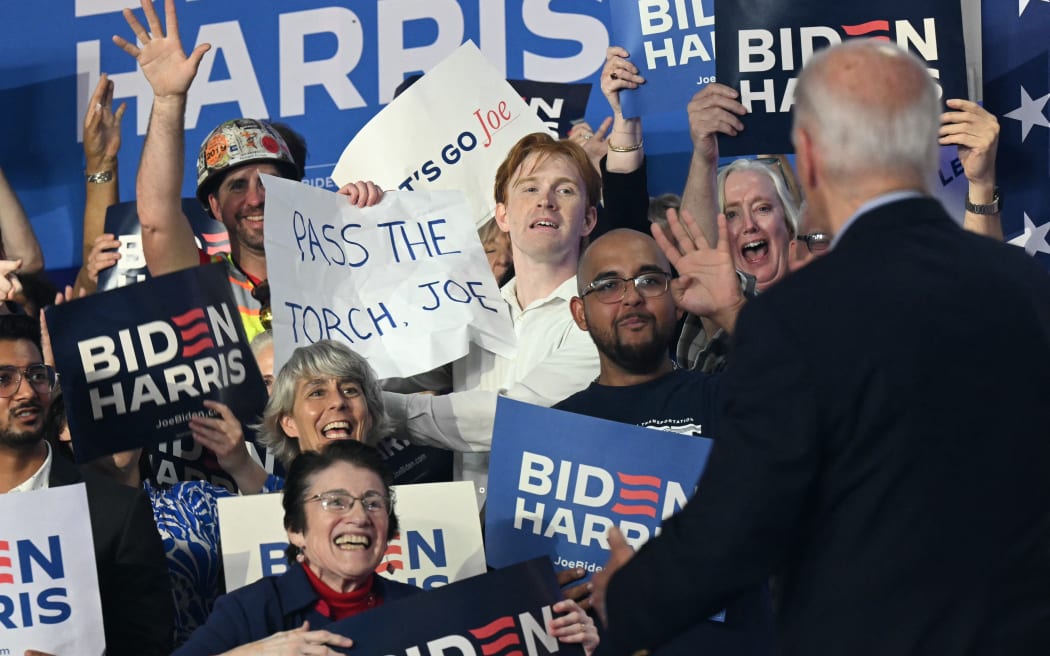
(555, 359)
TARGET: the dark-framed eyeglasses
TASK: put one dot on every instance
(816, 242)
(612, 289)
(374, 503)
(40, 377)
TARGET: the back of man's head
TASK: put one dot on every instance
(869, 107)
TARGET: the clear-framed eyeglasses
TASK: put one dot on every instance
(40, 377)
(343, 502)
(612, 289)
(816, 242)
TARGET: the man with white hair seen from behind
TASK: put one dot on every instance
(880, 450)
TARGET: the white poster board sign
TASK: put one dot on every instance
(449, 130)
(405, 283)
(48, 580)
(439, 540)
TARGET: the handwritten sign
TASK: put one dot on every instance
(439, 540)
(48, 582)
(450, 130)
(673, 46)
(404, 283)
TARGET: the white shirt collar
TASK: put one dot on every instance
(564, 291)
(40, 479)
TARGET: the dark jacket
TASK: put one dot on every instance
(271, 604)
(884, 446)
(137, 608)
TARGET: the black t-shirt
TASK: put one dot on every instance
(683, 401)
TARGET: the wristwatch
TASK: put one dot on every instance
(99, 177)
(994, 207)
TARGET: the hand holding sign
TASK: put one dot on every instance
(294, 642)
(713, 110)
(362, 194)
(618, 74)
(976, 132)
(575, 626)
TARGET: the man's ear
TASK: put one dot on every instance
(590, 221)
(213, 203)
(576, 307)
(805, 161)
(501, 217)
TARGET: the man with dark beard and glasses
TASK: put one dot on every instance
(626, 304)
(137, 610)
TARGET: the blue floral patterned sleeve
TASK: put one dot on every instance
(188, 522)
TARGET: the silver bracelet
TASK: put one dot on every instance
(99, 177)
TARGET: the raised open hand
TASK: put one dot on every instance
(161, 56)
(707, 283)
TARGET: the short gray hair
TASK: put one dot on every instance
(787, 201)
(261, 341)
(323, 359)
(856, 137)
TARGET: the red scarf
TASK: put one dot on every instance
(337, 605)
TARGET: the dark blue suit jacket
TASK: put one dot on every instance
(138, 613)
(271, 604)
(884, 447)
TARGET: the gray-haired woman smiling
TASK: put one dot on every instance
(324, 392)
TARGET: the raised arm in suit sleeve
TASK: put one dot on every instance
(748, 506)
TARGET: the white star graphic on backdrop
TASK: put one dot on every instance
(1033, 239)
(1030, 113)
(1022, 4)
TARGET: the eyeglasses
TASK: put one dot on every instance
(41, 378)
(816, 242)
(613, 289)
(343, 502)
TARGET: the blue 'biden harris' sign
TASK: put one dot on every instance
(502, 612)
(762, 46)
(136, 363)
(557, 490)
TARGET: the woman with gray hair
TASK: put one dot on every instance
(324, 392)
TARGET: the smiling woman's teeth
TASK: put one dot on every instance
(353, 542)
(336, 429)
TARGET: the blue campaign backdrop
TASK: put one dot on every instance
(504, 612)
(323, 67)
(326, 67)
(557, 490)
